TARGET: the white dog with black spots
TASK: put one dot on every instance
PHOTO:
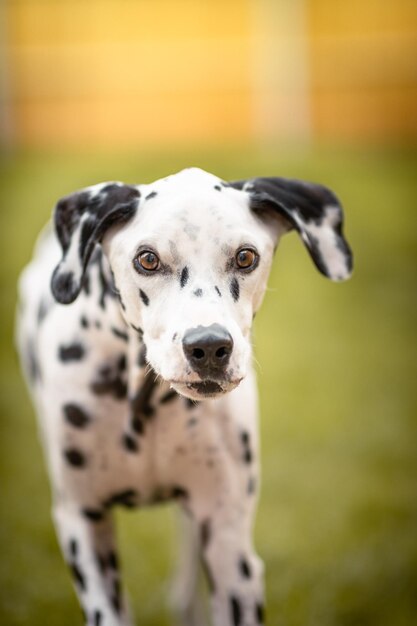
(135, 334)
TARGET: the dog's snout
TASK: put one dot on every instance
(208, 349)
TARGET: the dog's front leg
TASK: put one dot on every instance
(235, 575)
(87, 543)
(233, 570)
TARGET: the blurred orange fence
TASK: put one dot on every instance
(156, 71)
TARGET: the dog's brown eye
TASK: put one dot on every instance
(148, 261)
(246, 258)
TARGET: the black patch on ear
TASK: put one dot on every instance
(64, 286)
(302, 204)
(236, 611)
(184, 276)
(144, 297)
(98, 211)
(235, 289)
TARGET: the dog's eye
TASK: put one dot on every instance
(246, 259)
(147, 260)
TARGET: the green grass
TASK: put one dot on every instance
(337, 519)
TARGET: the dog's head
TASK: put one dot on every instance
(190, 256)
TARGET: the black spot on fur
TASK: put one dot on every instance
(84, 321)
(33, 367)
(244, 568)
(72, 352)
(111, 379)
(217, 187)
(42, 310)
(142, 356)
(144, 297)
(151, 195)
(122, 363)
(122, 304)
(191, 404)
(179, 492)
(116, 598)
(251, 487)
(236, 611)
(120, 334)
(75, 457)
(102, 563)
(113, 561)
(184, 276)
(205, 533)
(97, 617)
(137, 424)
(260, 613)
(78, 576)
(130, 443)
(73, 547)
(247, 452)
(140, 404)
(235, 289)
(75, 415)
(198, 293)
(138, 330)
(127, 498)
(94, 515)
(219, 293)
(168, 396)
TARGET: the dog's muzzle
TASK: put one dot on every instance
(208, 350)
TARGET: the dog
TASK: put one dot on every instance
(134, 331)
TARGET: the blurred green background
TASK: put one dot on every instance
(337, 519)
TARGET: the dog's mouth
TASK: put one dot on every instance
(204, 389)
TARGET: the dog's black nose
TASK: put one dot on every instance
(208, 349)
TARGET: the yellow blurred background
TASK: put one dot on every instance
(153, 72)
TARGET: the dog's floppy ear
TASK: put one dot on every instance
(81, 220)
(314, 211)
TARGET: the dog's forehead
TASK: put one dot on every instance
(193, 196)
